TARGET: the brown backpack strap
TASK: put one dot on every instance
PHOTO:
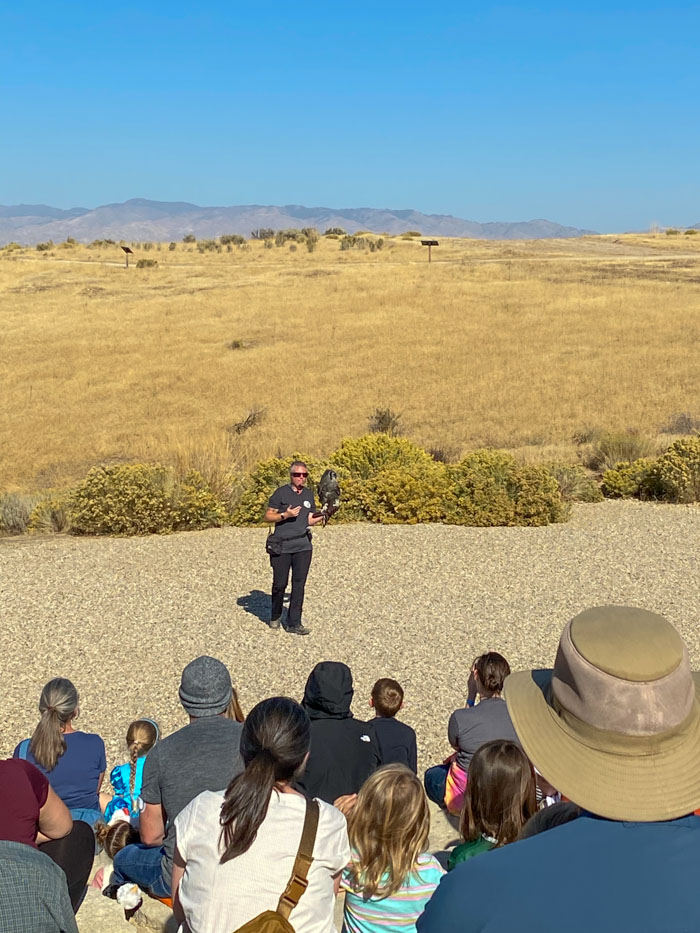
(298, 882)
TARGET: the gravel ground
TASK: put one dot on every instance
(121, 617)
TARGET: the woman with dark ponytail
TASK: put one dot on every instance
(236, 849)
(74, 762)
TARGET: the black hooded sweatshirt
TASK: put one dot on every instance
(343, 751)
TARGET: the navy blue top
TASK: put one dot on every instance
(587, 876)
(396, 742)
(75, 775)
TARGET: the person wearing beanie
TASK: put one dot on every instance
(204, 755)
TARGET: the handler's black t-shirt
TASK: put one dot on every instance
(293, 528)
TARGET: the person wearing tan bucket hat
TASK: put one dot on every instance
(615, 726)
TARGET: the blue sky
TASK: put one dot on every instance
(587, 114)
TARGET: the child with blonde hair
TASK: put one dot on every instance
(391, 875)
(127, 778)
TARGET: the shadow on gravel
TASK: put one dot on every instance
(257, 604)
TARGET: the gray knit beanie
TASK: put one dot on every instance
(205, 687)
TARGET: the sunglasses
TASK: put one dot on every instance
(300, 474)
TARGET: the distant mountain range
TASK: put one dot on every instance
(139, 220)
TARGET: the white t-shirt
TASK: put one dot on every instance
(220, 898)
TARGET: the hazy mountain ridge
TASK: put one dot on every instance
(140, 219)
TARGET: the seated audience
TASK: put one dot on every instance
(499, 800)
(236, 851)
(74, 762)
(126, 779)
(615, 726)
(391, 874)
(34, 815)
(201, 756)
(34, 893)
(343, 753)
(396, 742)
(469, 728)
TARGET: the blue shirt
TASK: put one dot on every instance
(77, 771)
(587, 875)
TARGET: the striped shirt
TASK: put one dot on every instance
(397, 913)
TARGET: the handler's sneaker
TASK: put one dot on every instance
(275, 623)
(298, 630)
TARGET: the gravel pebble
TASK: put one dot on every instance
(122, 617)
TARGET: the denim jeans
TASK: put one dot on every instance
(141, 864)
(435, 781)
(87, 815)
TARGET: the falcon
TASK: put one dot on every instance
(328, 491)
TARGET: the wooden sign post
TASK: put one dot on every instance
(127, 252)
(429, 244)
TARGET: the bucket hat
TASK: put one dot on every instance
(615, 726)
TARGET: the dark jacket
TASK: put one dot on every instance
(343, 753)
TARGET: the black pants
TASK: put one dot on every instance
(74, 854)
(299, 564)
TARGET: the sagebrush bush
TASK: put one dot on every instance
(195, 505)
(491, 489)
(481, 482)
(675, 477)
(396, 496)
(627, 480)
(682, 422)
(146, 263)
(575, 483)
(125, 499)
(15, 510)
(614, 447)
(385, 421)
(365, 456)
(51, 514)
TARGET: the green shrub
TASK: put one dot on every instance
(413, 233)
(331, 236)
(396, 496)
(268, 243)
(44, 247)
(575, 483)
(189, 238)
(537, 497)
(365, 456)
(51, 514)
(262, 482)
(491, 489)
(126, 499)
(172, 246)
(675, 477)
(262, 233)
(146, 263)
(627, 479)
(232, 239)
(613, 447)
(15, 510)
(311, 244)
(672, 231)
(335, 232)
(195, 505)
(690, 232)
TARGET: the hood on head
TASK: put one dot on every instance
(329, 691)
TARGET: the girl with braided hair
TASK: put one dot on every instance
(126, 779)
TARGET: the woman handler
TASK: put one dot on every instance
(291, 509)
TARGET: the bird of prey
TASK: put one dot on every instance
(329, 494)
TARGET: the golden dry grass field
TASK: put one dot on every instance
(513, 344)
